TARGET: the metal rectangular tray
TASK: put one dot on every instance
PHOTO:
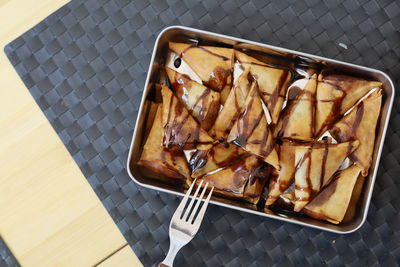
(182, 33)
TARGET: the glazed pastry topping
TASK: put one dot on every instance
(181, 130)
(201, 102)
(272, 81)
(268, 137)
(212, 64)
(335, 95)
(169, 162)
(360, 124)
(251, 130)
(297, 119)
(232, 107)
(331, 204)
(220, 155)
(315, 165)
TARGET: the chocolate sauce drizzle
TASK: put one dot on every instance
(336, 109)
(172, 130)
(309, 189)
(274, 182)
(200, 158)
(245, 128)
(182, 85)
(359, 116)
(279, 90)
(219, 76)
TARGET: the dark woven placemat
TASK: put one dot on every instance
(86, 64)
(6, 257)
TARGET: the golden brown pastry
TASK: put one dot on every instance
(244, 179)
(281, 179)
(273, 83)
(297, 119)
(251, 130)
(225, 93)
(332, 202)
(202, 102)
(232, 108)
(212, 64)
(151, 109)
(169, 162)
(181, 130)
(335, 95)
(360, 123)
(315, 165)
(353, 207)
(220, 155)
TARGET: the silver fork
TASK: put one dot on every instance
(184, 226)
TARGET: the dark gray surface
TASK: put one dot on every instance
(86, 64)
(6, 257)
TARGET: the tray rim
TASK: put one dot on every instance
(279, 49)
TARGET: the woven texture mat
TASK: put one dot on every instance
(6, 258)
(86, 64)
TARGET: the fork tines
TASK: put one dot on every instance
(192, 214)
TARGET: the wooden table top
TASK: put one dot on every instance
(49, 214)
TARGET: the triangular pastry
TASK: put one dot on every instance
(232, 108)
(297, 119)
(244, 179)
(169, 162)
(332, 202)
(315, 165)
(273, 83)
(219, 156)
(353, 207)
(335, 95)
(360, 124)
(212, 64)
(203, 103)
(280, 180)
(180, 128)
(251, 130)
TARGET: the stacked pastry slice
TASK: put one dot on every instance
(251, 130)
(244, 179)
(212, 64)
(236, 168)
(295, 126)
(219, 156)
(332, 202)
(272, 82)
(360, 124)
(297, 119)
(313, 166)
(335, 95)
(169, 162)
(173, 130)
(237, 136)
(201, 102)
(232, 108)
(181, 130)
(280, 180)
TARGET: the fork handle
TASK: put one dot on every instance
(169, 259)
